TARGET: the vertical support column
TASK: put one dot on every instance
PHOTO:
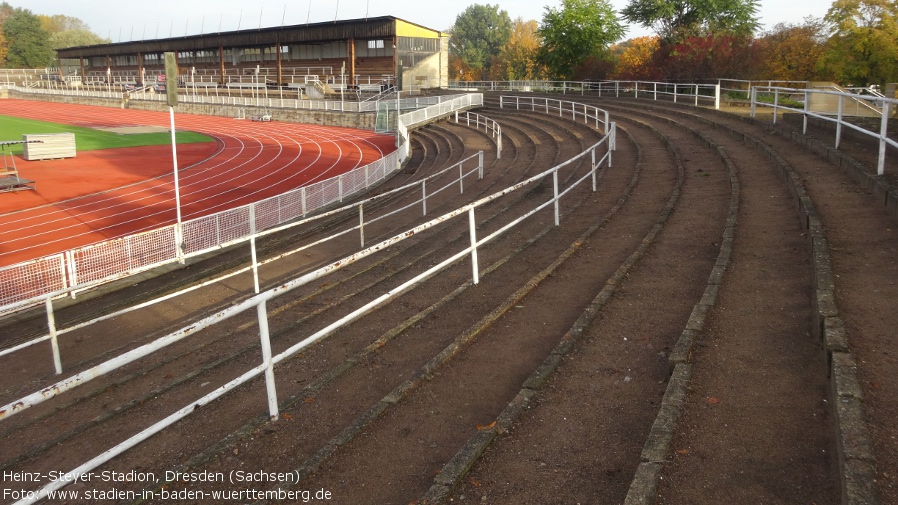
(265, 340)
(555, 193)
(252, 245)
(593, 153)
(54, 343)
(776, 99)
(302, 197)
(804, 122)
(361, 226)
(475, 270)
(221, 64)
(424, 196)
(839, 121)
(461, 179)
(883, 129)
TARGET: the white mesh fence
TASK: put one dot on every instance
(29, 283)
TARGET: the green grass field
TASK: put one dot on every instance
(89, 139)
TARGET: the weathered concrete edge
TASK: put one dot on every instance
(644, 486)
(453, 471)
(857, 461)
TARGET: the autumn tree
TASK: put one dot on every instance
(635, 59)
(28, 43)
(478, 36)
(863, 47)
(581, 30)
(793, 52)
(519, 56)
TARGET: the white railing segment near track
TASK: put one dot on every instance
(29, 283)
(881, 106)
(258, 302)
(464, 171)
(652, 89)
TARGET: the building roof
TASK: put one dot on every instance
(310, 33)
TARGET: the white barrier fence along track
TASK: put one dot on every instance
(596, 156)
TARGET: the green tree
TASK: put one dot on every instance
(76, 38)
(863, 48)
(478, 36)
(674, 20)
(29, 44)
(61, 23)
(581, 30)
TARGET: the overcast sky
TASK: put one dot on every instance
(136, 20)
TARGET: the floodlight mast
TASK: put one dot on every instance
(171, 77)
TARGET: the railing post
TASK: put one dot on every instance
(839, 122)
(252, 246)
(776, 98)
(593, 169)
(340, 187)
(72, 270)
(302, 198)
(424, 196)
(555, 193)
(883, 130)
(473, 232)
(362, 226)
(480, 159)
(804, 123)
(461, 179)
(754, 100)
(716, 97)
(266, 360)
(54, 343)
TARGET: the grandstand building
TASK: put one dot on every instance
(364, 54)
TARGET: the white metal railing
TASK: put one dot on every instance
(881, 106)
(489, 126)
(426, 192)
(574, 110)
(28, 283)
(258, 303)
(694, 92)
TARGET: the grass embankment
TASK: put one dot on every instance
(89, 139)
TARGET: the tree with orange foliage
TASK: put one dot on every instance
(518, 58)
(791, 52)
(635, 59)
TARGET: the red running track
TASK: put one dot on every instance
(110, 193)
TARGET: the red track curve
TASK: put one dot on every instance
(124, 191)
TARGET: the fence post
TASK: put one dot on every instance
(754, 100)
(555, 189)
(362, 226)
(302, 197)
(480, 159)
(72, 270)
(252, 246)
(54, 343)
(461, 179)
(883, 130)
(340, 187)
(804, 123)
(266, 360)
(424, 196)
(776, 99)
(473, 232)
(839, 122)
(593, 169)
(716, 97)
